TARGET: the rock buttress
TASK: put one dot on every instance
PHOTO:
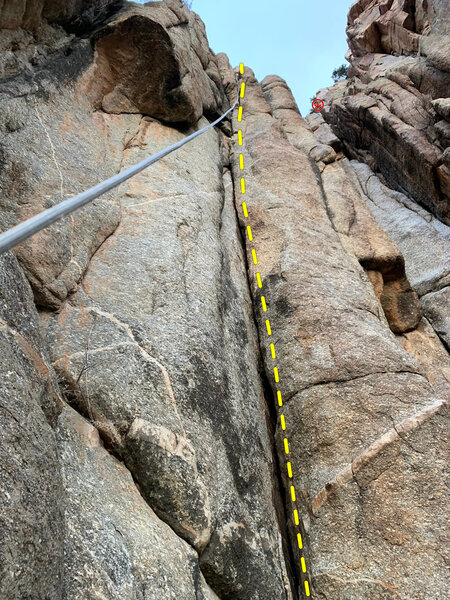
(365, 424)
(158, 346)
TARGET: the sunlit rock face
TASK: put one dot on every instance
(141, 447)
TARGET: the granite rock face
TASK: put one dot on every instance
(117, 549)
(334, 285)
(423, 240)
(165, 45)
(75, 106)
(73, 14)
(31, 517)
(186, 361)
(142, 444)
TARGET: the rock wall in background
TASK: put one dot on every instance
(393, 110)
(141, 451)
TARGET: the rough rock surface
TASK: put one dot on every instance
(423, 240)
(117, 549)
(62, 131)
(31, 519)
(182, 79)
(391, 112)
(139, 402)
(73, 14)
(177, 341)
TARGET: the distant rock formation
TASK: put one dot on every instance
(142, 455)
(393, 111)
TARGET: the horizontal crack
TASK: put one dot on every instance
(397, 432)
(349, 379)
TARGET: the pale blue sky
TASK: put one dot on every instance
(300, 40)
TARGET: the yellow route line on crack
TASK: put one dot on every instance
(263, 304)
(276, 374)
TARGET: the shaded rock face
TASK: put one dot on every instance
(31, 518)
(391, 112)
(74, 14)
(142, 448)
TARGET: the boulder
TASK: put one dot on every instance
(165, 45)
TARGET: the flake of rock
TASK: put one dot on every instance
(112, 536)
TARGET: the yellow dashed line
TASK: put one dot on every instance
(293, 493)
(303, 564)
(272, 345)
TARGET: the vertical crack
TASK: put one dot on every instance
(278, 489)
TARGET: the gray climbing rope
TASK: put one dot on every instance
(21, 232)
